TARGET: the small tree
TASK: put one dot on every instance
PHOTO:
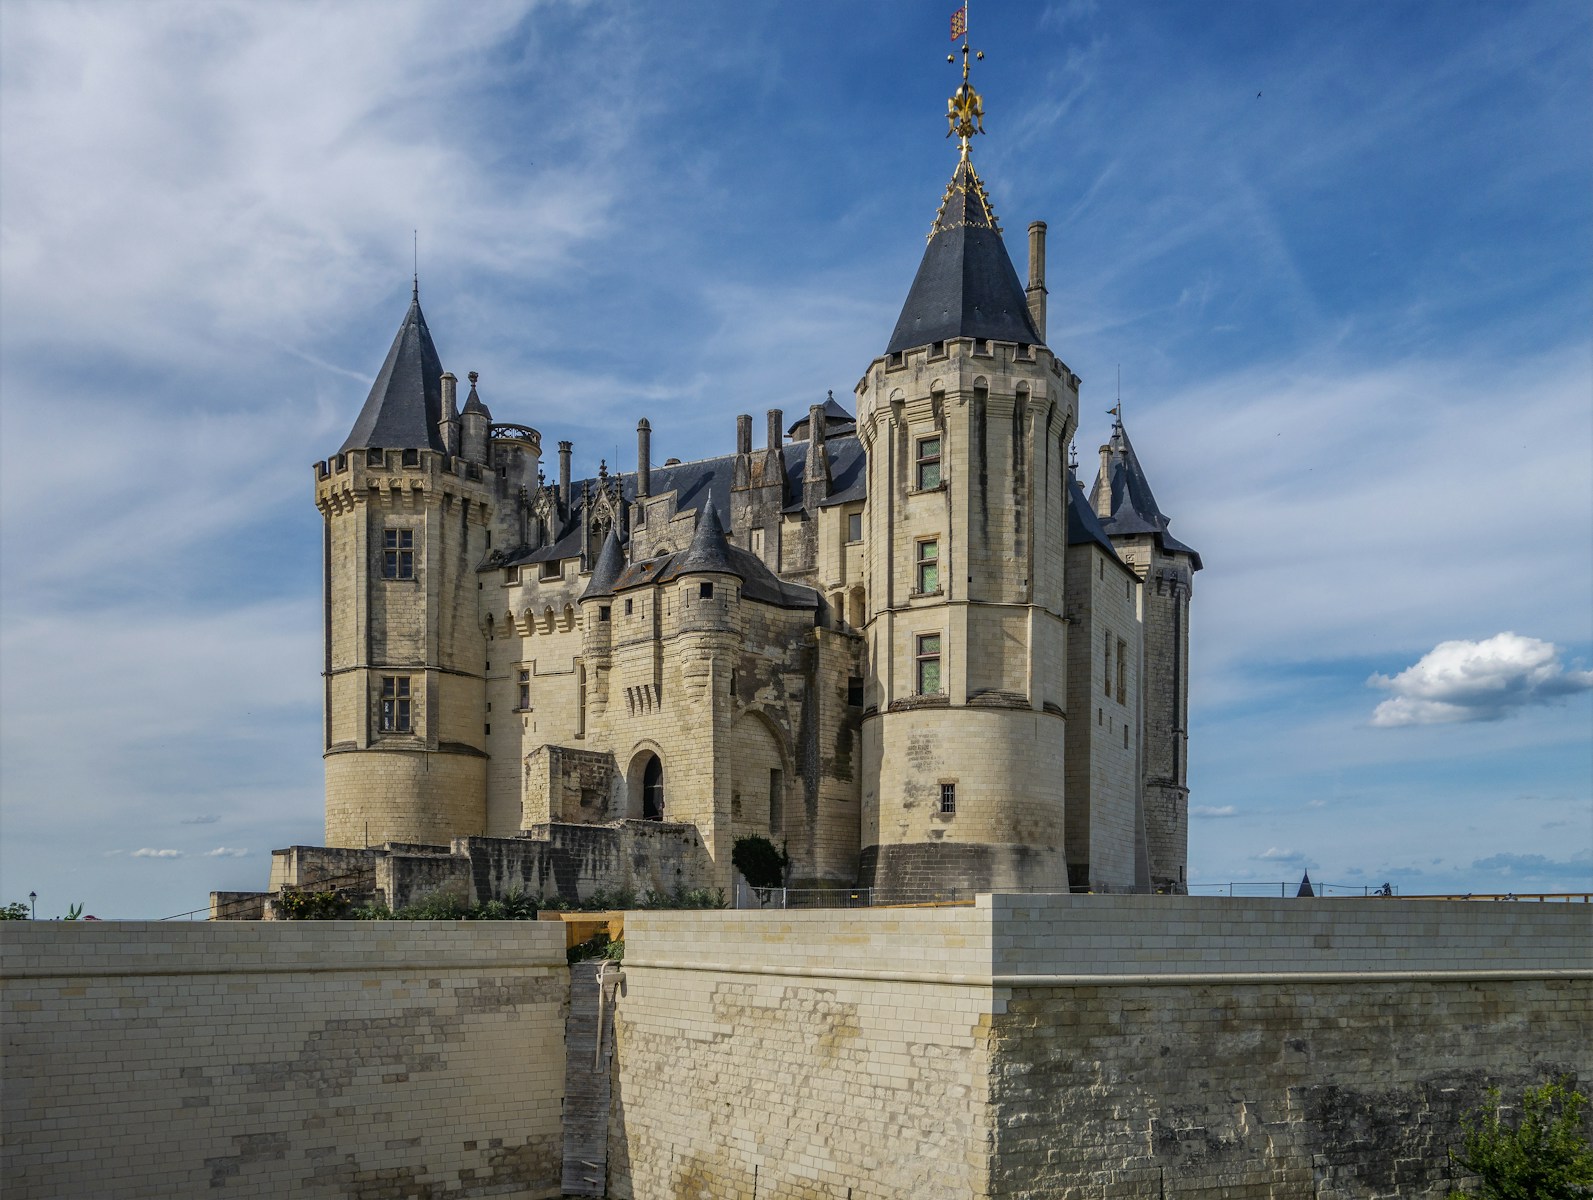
(1546, 1156)
(760, 864)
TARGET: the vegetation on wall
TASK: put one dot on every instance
(16, 911)
(616, 901)
(1545, 1155)
(760, 864)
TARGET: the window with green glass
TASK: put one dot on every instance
(928, 463)
(929, 565)
(929, 664)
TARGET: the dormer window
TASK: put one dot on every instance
(412, 458)
(551, 570)
(374, 458)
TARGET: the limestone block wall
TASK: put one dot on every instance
(1064, 1047)
(375, 796)
(306, 1059)
(777, 1049)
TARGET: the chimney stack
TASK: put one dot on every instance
(744, 433)
(1036, 290)
(644, 459)
(1103, 495)
(565, 449)
(816, 477)
(449, 425)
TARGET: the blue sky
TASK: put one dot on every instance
(1340, 250)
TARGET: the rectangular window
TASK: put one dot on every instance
(604, 612)
(551, 570)
(705, 591)
(395, 704)
(630, 607)
(928, 463)
(412, 458)
(854, 691)
(1106, 669)
(374, 458)
(398, 554)
(525, 687)
(948, 798)
(854, 527)
(929, 664)
(1122, 671)
(928, 566)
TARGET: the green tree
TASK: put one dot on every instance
(1544, 1156)
(760, 864)
(16, 911)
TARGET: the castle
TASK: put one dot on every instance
(902, 644)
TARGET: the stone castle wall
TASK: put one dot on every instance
(1084, 1046)
(306, 1059)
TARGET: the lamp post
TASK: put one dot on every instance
(33, 900)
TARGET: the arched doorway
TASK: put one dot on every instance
(653, 789)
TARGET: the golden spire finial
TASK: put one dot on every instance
(965, 111)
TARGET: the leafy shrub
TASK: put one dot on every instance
(304, 904)
(17, 911)
(1546, 1156)
(760, 864)
(448, 906)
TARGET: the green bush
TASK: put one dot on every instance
(17, 911)
(303, 904)
(760, 864)
(1545, 1156)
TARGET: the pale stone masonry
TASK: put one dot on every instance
(1068, 1047)
(311, 1059)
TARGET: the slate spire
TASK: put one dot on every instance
(709, 551)
(607, 570)
(405, 405)
(966, 285)
(1122, 497)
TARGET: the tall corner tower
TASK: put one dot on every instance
(406, 515)
(1128, 512)
(966, 418)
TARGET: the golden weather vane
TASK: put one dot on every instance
(965, 111)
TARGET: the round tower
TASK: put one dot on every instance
(404, 527)
(966, 418)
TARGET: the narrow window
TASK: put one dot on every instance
(928, 463)
(928, 566)
(580, 701)
(604, 612)
(1122, 671)
(629, 607)
(395, 704)
(1128, 589)
(552, 570)
(777, 803)
(525, 687)
(398, 554)
(929, 664)
(1106, 673)
(854, 527)
(705, 591)
(1100, 568)
(948, 798)
(757, 542)
(854, 691)
(733, 681)
(1125, 735)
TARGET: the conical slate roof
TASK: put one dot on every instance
(966, 285)
(606, 571)
(1305, 886)
(405, 403)
(1133, 509)
(709, 551)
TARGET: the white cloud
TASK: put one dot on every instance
(226, 852)
(1477, 681)
(1207, 810)
(1274, 854)
(147, 852)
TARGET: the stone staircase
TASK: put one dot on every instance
(586, 1091)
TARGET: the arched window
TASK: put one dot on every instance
(653, 789)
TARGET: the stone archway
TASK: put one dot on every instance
(644, 786)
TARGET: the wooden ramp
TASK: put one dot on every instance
(586, 1090)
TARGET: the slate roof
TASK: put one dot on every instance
(1134, 508)
(606, 572)
(966, 285)
(405, 403)
(1084, 527)
(834, 415)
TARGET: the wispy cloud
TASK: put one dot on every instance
(1209, 811)
(202, 819)
(226, 852)
(147, 852)
(1477, 681)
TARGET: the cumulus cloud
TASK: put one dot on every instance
(147, 852)
(226, 852)
(1477, 681)
(1208, 810)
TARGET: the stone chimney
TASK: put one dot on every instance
(816, 478)
(448, 426)
(565, 449)
(1103, 494)
(1036, 289)
(644, 459)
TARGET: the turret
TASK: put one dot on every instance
(966, 419)
(1166, 569)
(476, 426)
